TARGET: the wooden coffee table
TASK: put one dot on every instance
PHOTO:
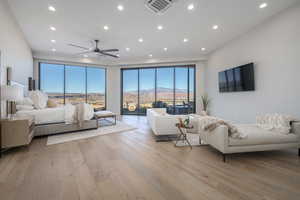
(104, 115)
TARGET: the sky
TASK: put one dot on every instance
(52, 79)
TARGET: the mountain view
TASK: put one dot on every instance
(96, 99)
(147, 97)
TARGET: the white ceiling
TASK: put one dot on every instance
(79, 22)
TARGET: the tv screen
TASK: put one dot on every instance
(237, 79)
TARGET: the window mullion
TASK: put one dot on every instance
(138, 92)
(174, 89)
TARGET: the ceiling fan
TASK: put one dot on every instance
(96, 50)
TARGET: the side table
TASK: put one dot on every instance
(183, 132)
(15, 132)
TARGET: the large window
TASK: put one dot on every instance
(52, 81)
(147, 89)
(74, 84)
(96, 87)
(172, 88)
(181, 90)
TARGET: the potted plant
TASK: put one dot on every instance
(205, 103)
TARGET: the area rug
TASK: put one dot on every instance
(67, 137)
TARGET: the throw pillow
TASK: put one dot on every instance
(51, 103)
(39, 99)
(275, 122)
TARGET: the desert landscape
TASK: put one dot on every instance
(96, 99)
(147, 98)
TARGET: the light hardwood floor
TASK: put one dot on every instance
(131, 165)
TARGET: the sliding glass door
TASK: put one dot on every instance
(172, 88)
(165, 88)
(74, 84)
(146, 89)
(181, 90)
(192, 92)
(130, 92)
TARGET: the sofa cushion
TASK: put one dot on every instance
(259, 136)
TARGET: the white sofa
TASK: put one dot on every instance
(258, 139)
(162, 123)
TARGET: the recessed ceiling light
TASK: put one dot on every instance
(263, 5)
(51, 8)
(185, 40)
(85, 56)
(120, 7)
(53, 50)
(165, 49)
(53, 41)
(105, 27)
(150, 55)
(141, 40)
(191, 7)
(203, 49)
(215, 27)
(127, 49)
(52, 28)
(160, 27)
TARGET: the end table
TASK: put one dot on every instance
(183, 132)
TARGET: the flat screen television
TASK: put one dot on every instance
(237, 79)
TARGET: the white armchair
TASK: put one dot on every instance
(162, 123)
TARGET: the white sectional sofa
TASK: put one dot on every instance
(162, 123)
(258, 139)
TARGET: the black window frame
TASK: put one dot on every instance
(155, 89)
(71, 64)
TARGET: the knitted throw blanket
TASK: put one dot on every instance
(208, 123)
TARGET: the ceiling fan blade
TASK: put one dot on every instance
(74, 45)
(109, 50)
(108, 54)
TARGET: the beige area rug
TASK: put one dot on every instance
(67, 137)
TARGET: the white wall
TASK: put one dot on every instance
(274, 47)
(15, 52)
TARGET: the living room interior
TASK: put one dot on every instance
(150, 99)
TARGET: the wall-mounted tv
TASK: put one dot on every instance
(237, 79)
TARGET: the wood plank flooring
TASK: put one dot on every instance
(131, 165)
